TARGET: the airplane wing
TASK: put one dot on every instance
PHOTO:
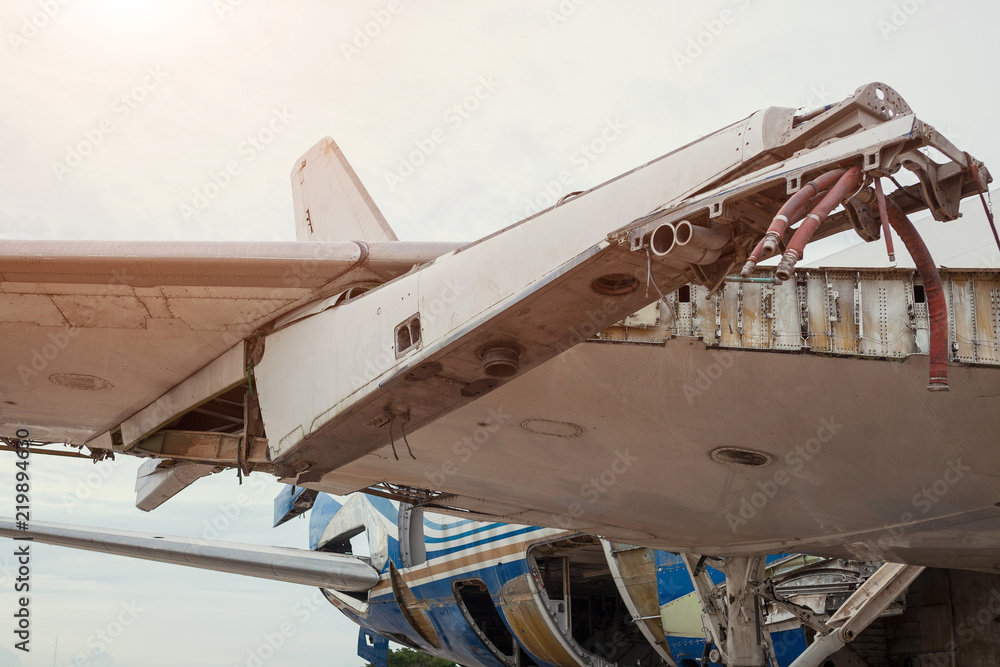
(513, 378)
(95, 331)
(297, 566)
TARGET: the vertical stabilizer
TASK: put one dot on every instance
(330, 202)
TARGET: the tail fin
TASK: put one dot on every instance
(330, 202)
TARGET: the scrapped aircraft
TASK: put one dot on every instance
(500, 595)
(550, 375)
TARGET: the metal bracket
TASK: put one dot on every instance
(802, 296)
(859, 323)
(739, 311)
(864, 218)
(833, 300)
(718, 313)
(805, 614)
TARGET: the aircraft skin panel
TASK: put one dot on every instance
(882, 435)
(636, 577)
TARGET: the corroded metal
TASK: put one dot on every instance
(530, 624)
(875, 314)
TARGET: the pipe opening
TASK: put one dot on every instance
(682, 232)
(662, 239)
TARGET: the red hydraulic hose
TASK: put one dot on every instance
(936, 305)
(795, 206)
(789, 213)
(847, 184)
(758, 252)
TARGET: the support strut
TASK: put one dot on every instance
(731, 613)
(859, 610)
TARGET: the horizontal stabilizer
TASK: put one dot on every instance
(297, 566)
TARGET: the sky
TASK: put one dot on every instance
(182, 119)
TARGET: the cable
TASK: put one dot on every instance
(239, 461)
(402, 428)
(391, 441)
(974, 172)
(907, 192)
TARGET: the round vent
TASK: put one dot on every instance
(738, 456)
(615, 284)
(552, 428)
(80, 381)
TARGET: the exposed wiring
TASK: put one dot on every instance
(402, 428)
(391, 441)
(239, 460)
(650, 279)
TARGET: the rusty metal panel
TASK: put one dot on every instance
(960, 291)
(885, 320)
(987, 300)
(731, 334)
(529, 624)
(647, 317)
(819, 313)
(414, 609)
(634, 570)
(623, 334)
(753, 304)
(756, 310)
(842, 321)
(686, 312)
(880, 314)
(786, 320)
(704, 322)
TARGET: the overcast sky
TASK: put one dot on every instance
(116, 115)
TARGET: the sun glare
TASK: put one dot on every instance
(140, 16)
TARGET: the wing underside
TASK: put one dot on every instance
(95, 331)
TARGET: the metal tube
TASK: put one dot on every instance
(741, 279)
(822, 648)
(679, 241)
(694, 255)
(711, 238)
(662, 239)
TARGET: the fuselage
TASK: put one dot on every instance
(496, 594)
